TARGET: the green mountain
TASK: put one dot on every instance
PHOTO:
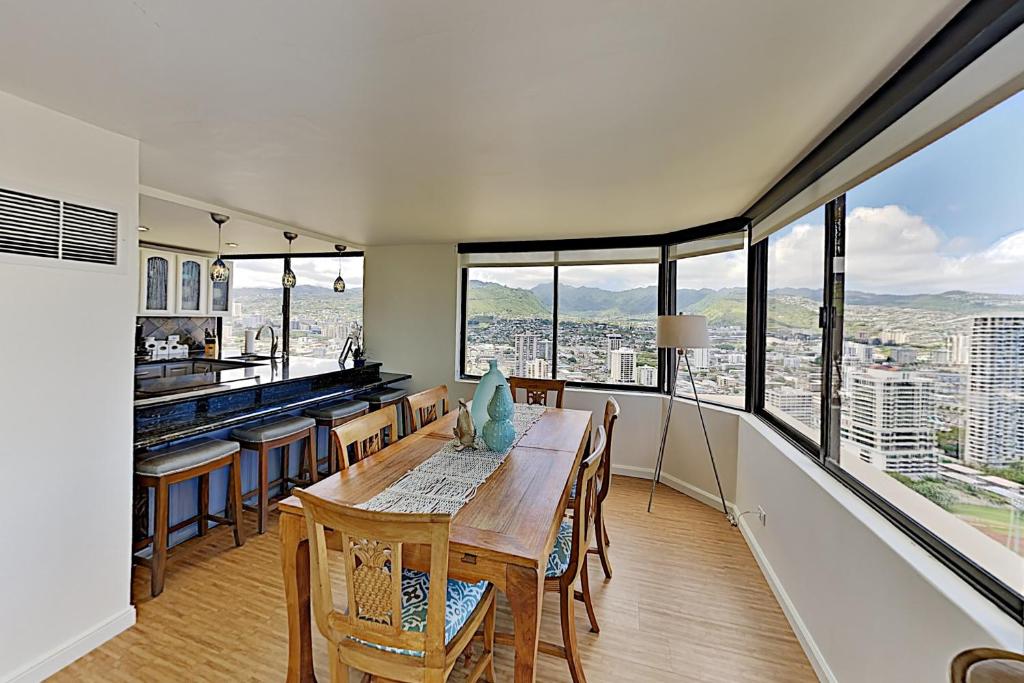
(490, 298)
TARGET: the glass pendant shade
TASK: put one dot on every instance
(219, 270)
(288, 279)
(339, 285)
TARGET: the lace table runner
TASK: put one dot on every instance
(449, 479)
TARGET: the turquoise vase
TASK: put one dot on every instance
(483, 393)
(499, 433)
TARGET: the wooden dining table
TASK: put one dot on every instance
(503, 535)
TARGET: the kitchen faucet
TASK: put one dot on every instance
(273, 339)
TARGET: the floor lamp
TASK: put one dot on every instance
(682, 332)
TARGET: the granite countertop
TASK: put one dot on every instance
(253, 373)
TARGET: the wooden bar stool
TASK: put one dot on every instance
(280, 433)
(180, 464)
(382, 398)
(332, 416)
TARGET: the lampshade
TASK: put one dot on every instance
(683, 332)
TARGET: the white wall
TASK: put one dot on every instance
(65, 415)
(869, 603)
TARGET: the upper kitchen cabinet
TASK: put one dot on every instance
(157, 278)
(220, 294)
(192, 284)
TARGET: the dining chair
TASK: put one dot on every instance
(397, 624)
(568, 562)
(422, 407)
(987, 665)
(537, 390)
(366, 435)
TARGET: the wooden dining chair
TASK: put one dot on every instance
(365, 435)
(568, 562)
(537, 390)
(604, 483)
(398, 624)
(987, 665)
(422, 408)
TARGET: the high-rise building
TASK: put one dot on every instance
(538, 368)
(887, 419)
(613, 342)
(526, 351)
(647, 376)
(796, 403)
(894, 337)
(544, 349)
(857, 352)
(623, 366)
(995, 391)
(959, 346)
(700, 359)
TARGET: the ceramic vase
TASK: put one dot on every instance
(499, 433)
(483, 393)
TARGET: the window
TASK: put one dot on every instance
(606, 323)
(932, 416)
(258, 301)
(711, 280)
(322, 319)
(508, 319)
(793, 340)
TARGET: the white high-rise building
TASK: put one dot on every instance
(959, 349)
(995, 391)
(623, 366)
(647, 376)
(700, 359)
(526, 351)
(613, 342)
(887, 420)
(544, 349)
(538, 368)
(796, 403)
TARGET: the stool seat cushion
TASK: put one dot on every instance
(276, 429)
(337, 411)
(462, 600)
(384, 395)
(180, 458)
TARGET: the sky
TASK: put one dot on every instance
(266, 273)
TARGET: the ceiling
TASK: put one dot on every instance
(409, 121)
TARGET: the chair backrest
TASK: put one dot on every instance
(611, 415)
(984, 664)
(585, 504)
(422, 407)
(371, 548)
(537, 390)
(367, 434)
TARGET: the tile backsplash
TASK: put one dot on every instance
(189, 329)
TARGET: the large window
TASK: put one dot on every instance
(792, 376)
(322, 319)
(258, 300)
(933, 345)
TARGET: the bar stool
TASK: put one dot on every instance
(182, 463)
(382, 398)
(330, 417)
(280, 433)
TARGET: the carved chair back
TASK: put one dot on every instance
(371, 548)
(537, 390)
(585, 505)
(422, 407)
(367, 435)
(604, 477)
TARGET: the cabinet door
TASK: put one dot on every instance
(191, 285)
(156, 282)
(221, 293)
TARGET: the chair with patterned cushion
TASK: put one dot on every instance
(422, 408)
(398, 624)
(987, 665)
(364, 436)
(537, 390)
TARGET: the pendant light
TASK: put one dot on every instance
(288, 279)
(218, 269)
(339, 284)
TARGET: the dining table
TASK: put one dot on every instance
(503, 535)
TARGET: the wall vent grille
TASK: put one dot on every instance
(50, 228)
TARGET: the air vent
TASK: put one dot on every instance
(50, 228)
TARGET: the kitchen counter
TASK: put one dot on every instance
(172, 408)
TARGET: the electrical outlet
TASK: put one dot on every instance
(762, 515)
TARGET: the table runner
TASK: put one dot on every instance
(449, 479)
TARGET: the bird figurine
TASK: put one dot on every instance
(464, 430)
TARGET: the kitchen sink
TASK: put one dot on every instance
(249, 356)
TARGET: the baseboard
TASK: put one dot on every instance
(803, 634)
(62, 656)
(686, 488)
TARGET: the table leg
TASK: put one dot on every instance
(295, 567)
(525, 590)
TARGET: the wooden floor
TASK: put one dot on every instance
(687, 603)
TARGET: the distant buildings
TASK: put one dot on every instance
(538, 368)
(887, 419)
(613, 342)
(959, 346)
(647, 376)
(623, 366)
(526, 351)
(796, 403)
(995, 391)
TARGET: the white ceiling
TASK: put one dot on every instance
(404, 121)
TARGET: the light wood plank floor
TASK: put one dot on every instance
(687, 603)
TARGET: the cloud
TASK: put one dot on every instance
(892, 251)
(266, 273)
